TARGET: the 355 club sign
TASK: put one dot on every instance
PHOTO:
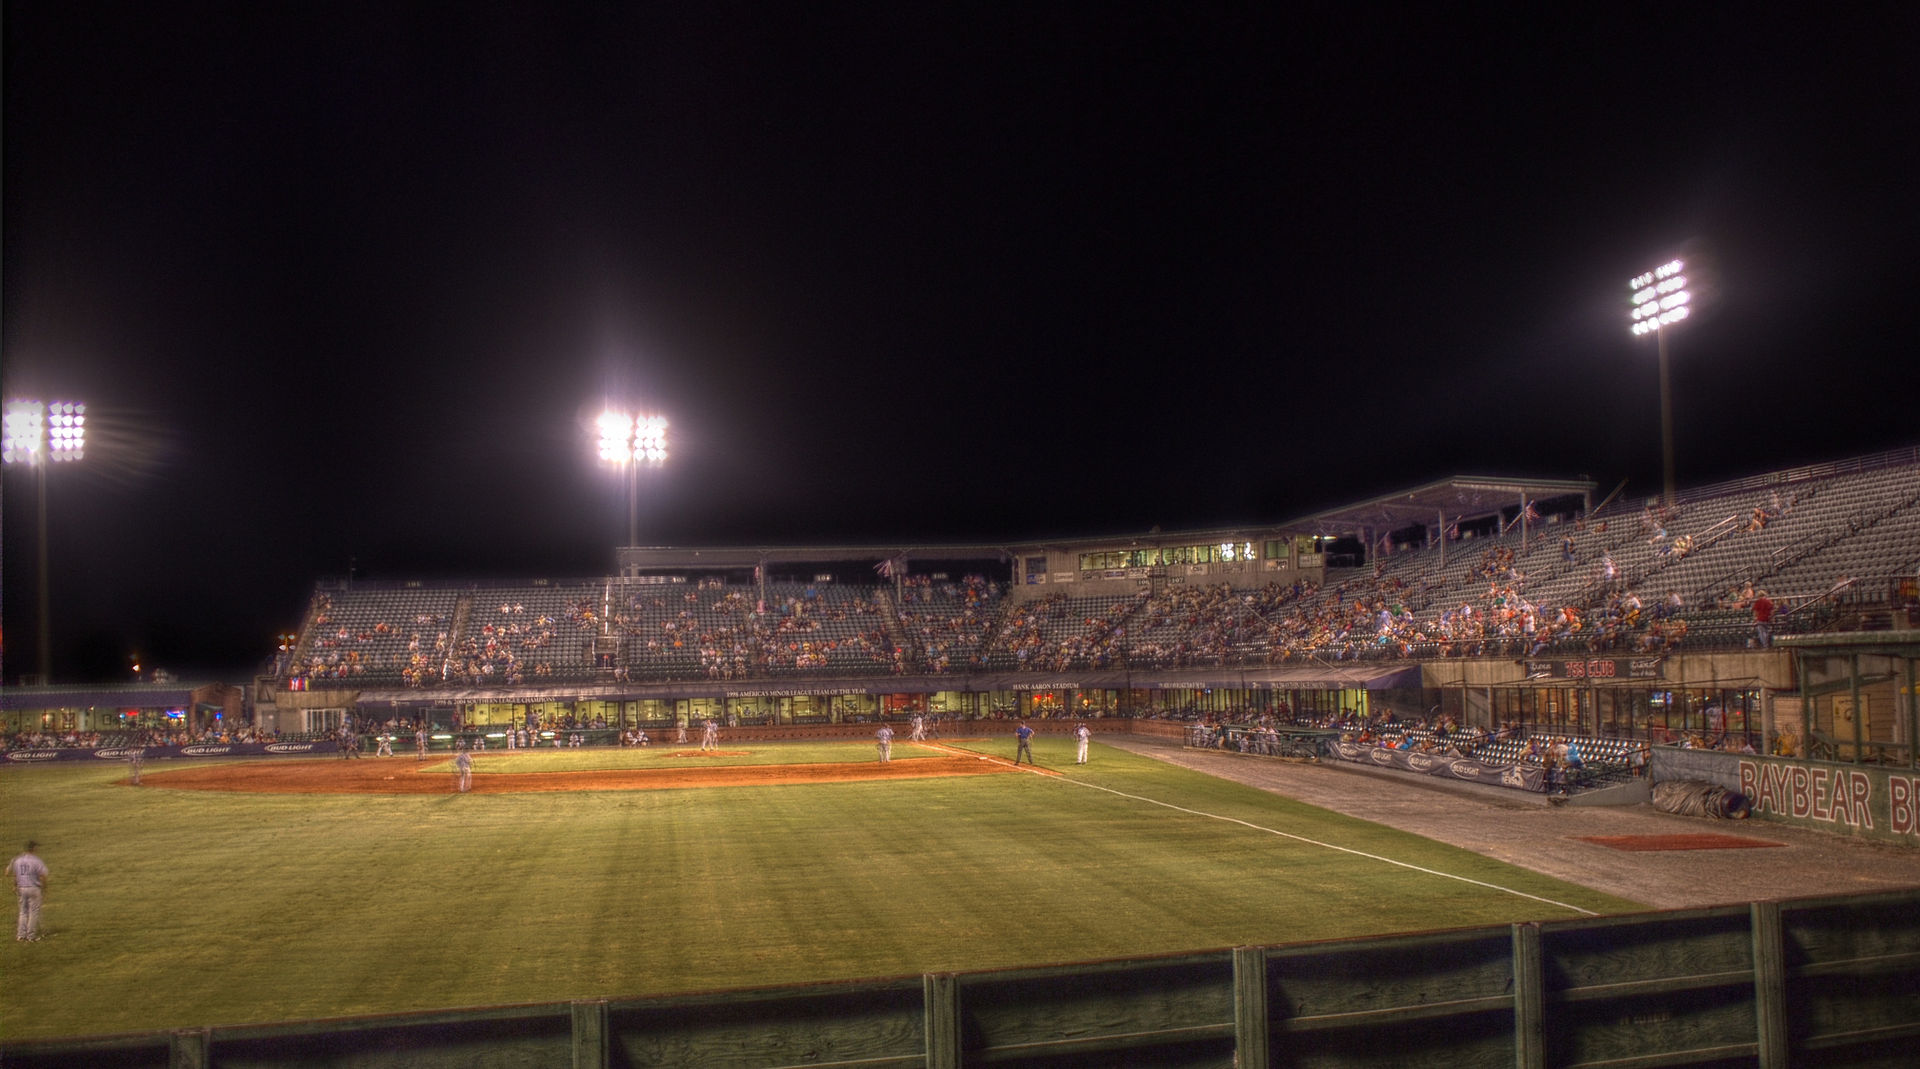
(1865, 801)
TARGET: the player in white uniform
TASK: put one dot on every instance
(710, 737)
(463, 765)
(919, 729)
(29, 875)
(885, 744)
(1081, 734)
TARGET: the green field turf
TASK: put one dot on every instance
(174, 908)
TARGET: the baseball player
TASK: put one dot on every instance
(30, 884)
(386, 745)
(135, 760)
(885, 745)
(1081, 735)
(1025, 735)
(710, 737)
(919, 729)
(420, 743)
(463, 764)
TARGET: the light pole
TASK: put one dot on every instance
(36, 435)
(631, 441)
(1660, 298)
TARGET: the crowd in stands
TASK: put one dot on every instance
(99, 740)
(947, 622)
(1636, 580)
(1059, 632)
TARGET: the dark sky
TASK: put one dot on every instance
(346, 282)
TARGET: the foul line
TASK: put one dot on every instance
(1301, 838)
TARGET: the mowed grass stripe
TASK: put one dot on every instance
(175, 908)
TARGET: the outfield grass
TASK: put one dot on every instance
(174, 908)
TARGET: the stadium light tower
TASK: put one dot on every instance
(36, 435)
(1661, 298)
(632, 442)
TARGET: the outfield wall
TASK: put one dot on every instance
(1811, 982)
(1868, 801)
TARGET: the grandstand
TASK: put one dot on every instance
(1484, 589)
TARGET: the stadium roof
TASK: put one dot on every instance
(1312, 675)
(1457, 497)
(116, 696)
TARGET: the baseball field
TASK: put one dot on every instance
(245, 891)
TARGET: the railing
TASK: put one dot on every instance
(1892, 458)
(1814, 981)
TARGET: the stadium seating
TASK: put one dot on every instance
(1631, 577)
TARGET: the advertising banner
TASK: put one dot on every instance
(1519, 777)
(162, 753)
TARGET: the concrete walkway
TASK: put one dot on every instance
(1524, 830)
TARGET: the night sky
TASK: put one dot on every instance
(344, 284)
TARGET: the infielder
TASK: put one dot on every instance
(386, 745)
(420, 743)
(135, 760)
(710, 738)
(1082, 735)
(463, 764)
(885, 745)
(919, 729)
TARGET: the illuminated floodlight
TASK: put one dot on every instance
(627, 438)
(650, 439)
(632, 441)
(1660, 297)
(35, 432)
(24, 429)
(616, 437)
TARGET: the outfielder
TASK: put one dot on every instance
(30, 883)
(1081, 734)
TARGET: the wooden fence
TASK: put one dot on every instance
(1826, 981)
